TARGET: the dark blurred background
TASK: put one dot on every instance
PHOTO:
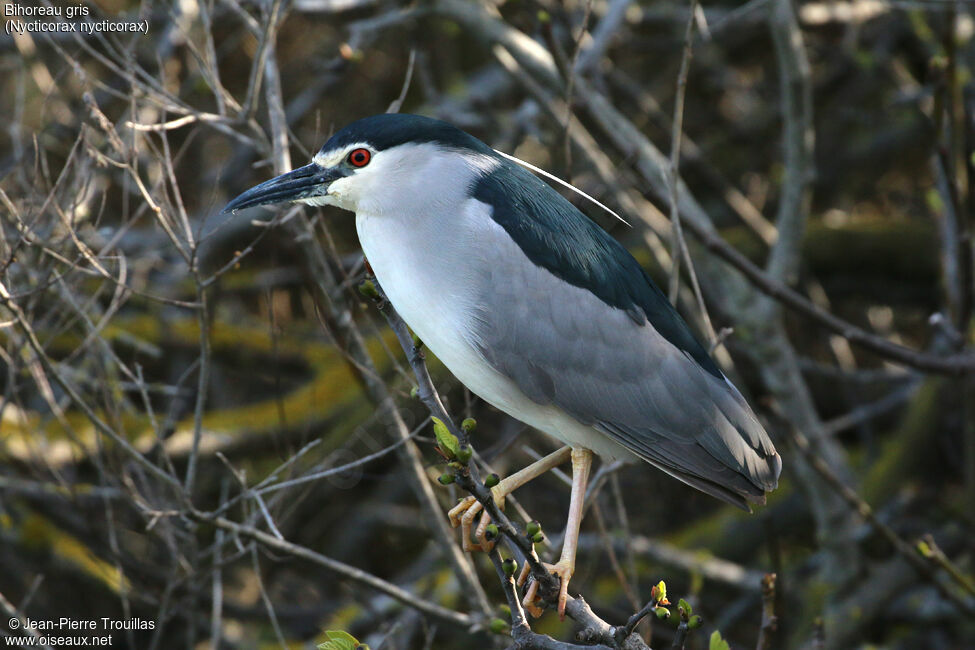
(155, 353)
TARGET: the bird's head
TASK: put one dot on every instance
(380, 163)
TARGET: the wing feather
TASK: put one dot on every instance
(639, 382)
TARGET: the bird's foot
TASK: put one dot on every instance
(463, 515)
(532, 602)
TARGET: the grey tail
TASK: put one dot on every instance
(742, 493)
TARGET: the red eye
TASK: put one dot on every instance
(359, 157)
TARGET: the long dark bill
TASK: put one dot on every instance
(304, 182)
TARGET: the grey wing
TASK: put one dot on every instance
(611, 369)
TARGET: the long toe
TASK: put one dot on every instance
(481, 533)
(463, 515)
(457, 512)
(467, 522)
(564, 571)
(526, 571)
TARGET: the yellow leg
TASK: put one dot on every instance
(565, 567)
(463, 513)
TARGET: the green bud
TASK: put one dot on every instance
(446, 478)
(417, 343)
(544, 16)
(368, 289)
(447, 441)
(684, 608)
(694, 622)
(924, 548)
(532, 528)
(455, 465)
(538, 538)
(499, 626)
(415, 393)
(491, 481)
(464, 453)
(468, 425)
(505, 610)
(661, 612)
(509, 565)
(491, 532)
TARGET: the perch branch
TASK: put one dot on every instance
(595, 630)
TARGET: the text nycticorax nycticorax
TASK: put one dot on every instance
(535, 309)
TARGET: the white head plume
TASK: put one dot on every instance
(539, 170)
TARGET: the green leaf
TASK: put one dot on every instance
(341, 640)
(659, 592)
(448, 442)
(685, 608)
(717, 643)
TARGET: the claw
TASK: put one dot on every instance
(531, 597)
(564, 570)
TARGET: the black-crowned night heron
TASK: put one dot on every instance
(535, 309)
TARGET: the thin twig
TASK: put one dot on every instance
(862, 508)
(397, 104)
(955, 364)
(677, 129)
(795, 90)
(202, 386)
(769, 619)
(283, 546)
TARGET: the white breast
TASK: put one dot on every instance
(422, 268)
(429, 269)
